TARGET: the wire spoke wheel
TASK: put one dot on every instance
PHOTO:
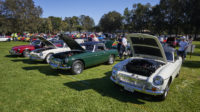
(77, 67)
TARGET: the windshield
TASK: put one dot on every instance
(36, 43)
(59, 43)
(88, 47)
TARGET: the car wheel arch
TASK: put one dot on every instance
(81, 61)
(49, 54)
(170, 80)
(25, 50)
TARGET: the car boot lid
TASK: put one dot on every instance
(146, 46)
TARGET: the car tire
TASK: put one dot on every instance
(77, 67)
(164, 95)
(111, 59)
(26, 53)
(47, 59)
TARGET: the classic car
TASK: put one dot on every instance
(152, 68)
(3, 39)
(25, 50)
(49, 49)
(82, 56)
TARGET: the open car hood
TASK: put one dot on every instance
(146, 46)
(46, 42)
(72, 44)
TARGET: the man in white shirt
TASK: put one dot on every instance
(183, 46)
(123, 47)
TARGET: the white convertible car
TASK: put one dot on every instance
(152, 68)
(46, 52)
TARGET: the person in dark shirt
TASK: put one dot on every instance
(119, 41)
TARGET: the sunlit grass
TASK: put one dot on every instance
(26, 86)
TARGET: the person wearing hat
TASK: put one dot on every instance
(183, 46)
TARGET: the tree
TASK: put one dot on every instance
(140, 17)
(86, 22)
(157, 24)
(56, 23)
(46, 26)
(127, 20)
(20, 15)
(111, 22)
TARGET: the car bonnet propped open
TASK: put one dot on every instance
(146, 46)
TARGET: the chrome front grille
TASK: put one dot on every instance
(56, 61)
(34, 55)
(133, 82)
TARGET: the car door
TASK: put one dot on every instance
(91, 56)
(101, 53)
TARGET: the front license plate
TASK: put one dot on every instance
(128, 88)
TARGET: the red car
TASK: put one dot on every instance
(24, 50)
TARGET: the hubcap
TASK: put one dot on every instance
(111, 59)
(78, 68)
(26, 53)
(48, 58)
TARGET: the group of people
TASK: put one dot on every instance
(90, 36)
(182, 51)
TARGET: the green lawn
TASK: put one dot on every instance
(28, 86)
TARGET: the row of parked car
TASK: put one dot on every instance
(150, 70)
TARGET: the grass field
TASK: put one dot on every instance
(29, 86)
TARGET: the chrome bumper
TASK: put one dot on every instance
(13, 52)
(57, 66)
(142, 90)
(35, 58)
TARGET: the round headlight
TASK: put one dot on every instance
(158, 80)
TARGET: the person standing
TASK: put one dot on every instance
(119, 43)
(183, 46)
(123, 47)
(12, 36)
(15, 36)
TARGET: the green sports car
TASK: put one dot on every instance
(82, 56)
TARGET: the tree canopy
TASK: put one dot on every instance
(167, 17)
(19, 16)
(111, 22)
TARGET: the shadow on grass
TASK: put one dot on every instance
(29, 61)
(47, 70)
(193, 54)
(191, 64)
(106, 87)
(13, 56)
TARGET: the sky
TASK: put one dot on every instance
(93, 8)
